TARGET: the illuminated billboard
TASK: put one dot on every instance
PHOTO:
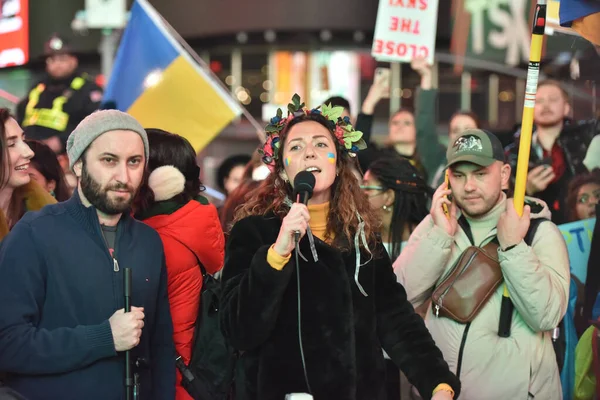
(14, 32)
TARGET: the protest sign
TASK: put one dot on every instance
(578, 236)
(405, 29)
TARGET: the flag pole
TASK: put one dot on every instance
(533, 70)
(260, 131)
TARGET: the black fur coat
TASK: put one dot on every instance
(343, 331)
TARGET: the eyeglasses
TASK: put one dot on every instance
(380, 189)
(586, 198)
(367, 187)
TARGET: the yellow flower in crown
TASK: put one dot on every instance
(350, 140)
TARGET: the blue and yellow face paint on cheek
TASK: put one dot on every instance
(287, 161)
(331, 158)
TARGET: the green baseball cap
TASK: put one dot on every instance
(475, 146)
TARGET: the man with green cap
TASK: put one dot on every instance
(534, 264)
(63, 329)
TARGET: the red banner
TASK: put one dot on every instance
(14, 32)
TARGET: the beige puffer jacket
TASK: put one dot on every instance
(522, 366)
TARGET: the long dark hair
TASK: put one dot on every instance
(16, 206)
(170, 149)
(4, 116)
(347, 197)
(411, 195)
(47, 164)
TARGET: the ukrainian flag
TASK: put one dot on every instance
(155, 80)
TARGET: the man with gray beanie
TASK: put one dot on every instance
(63, 329)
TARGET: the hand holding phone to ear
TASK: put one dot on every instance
(448, 222)
(445, 206)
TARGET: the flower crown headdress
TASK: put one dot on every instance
(350, 140)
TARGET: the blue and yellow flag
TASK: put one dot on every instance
(155, 80)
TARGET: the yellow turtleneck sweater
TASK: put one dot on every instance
(318, 226)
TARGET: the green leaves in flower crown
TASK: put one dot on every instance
(295, 105)
(272, 128)
(275, 123)
(332, 113)
(353, 140)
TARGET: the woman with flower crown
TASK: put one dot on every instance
(318, 326)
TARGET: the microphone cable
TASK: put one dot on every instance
(300, 318)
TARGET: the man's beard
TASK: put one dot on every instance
(98, 196)
(550, 124)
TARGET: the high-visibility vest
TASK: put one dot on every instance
(53, 118)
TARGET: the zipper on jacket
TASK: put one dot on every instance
(112, 256)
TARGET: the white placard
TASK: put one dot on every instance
(405, 29)
(105, 14)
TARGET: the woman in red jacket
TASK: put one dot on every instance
(189, 227)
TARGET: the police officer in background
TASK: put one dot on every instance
(55, 106)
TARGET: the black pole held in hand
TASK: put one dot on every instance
(128, 372)
(506, 311)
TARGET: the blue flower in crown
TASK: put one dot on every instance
(347, 120)
(275, 120)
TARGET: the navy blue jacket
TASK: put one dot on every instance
(58, 288)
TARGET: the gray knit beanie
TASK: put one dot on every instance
(97, 124)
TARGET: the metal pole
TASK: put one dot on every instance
(395, 87)
(236, 73)
(493, 88)
(236, 70)
(465, 91)
(108, 49)
(519, 98)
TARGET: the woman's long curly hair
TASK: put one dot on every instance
(347, 197)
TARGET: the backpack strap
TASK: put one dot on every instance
(464, 224)
(533, 227)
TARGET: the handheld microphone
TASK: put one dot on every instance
(304, 184)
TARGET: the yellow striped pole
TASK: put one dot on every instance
(533, 70)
